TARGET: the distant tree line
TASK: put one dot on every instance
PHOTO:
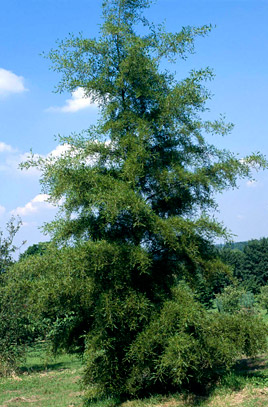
(249, 262)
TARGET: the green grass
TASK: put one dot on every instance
(245, 386)
(45, 382)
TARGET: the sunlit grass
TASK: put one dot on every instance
(44, 381)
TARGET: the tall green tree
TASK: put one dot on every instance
(137, 192)
(256, 264)
(13, 326)
(234, 258)
(7, 246)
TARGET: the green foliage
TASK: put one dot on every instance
(250, 265)
(256, 263)
(236, 259)
(220, 277)
(233, 245)
(15, 330)
(13, 324)
(37, 248)
(183, 346)
(38, 297)
(136, 193)
(262, 298)
(7, 247)
(56, 292)
(235, 298)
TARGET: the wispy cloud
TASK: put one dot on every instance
(10, 83)
(2, 210)
(6, 148)
(38, 203)
(11, 158)
(252, 184)
(78, 101)
(60, 150)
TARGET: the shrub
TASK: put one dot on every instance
(184, 346)
(15, 329)
(235, 298)
(262, 298)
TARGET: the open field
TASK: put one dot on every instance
(46, 382)
(43, 381)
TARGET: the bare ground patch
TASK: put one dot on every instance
(15, 400)
(170, 403)
(256, 396)
(241, 397)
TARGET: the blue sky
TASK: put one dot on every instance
(31, 114)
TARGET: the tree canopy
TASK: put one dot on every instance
(137, 192)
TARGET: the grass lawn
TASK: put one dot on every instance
(47, 382)
(43, 381)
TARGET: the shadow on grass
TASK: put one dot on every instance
(37, 368)
(39, 359)
(252, 365)
(246, 370)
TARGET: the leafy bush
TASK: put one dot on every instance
(184, 346)
(235, 298)
(53, 293)
(35, 249)
(262, 298)
(14, 326)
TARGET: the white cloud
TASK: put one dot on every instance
(38, 203)
(41, 198)
(5, 148)
(2, 210)
(78, 101)
(252, 184)
(59, 150)
(11, 162)
(12, 158)
(10, 83)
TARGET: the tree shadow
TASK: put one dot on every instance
(254, 370)
(41, 367)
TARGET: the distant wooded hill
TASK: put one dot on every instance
(234, 245)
